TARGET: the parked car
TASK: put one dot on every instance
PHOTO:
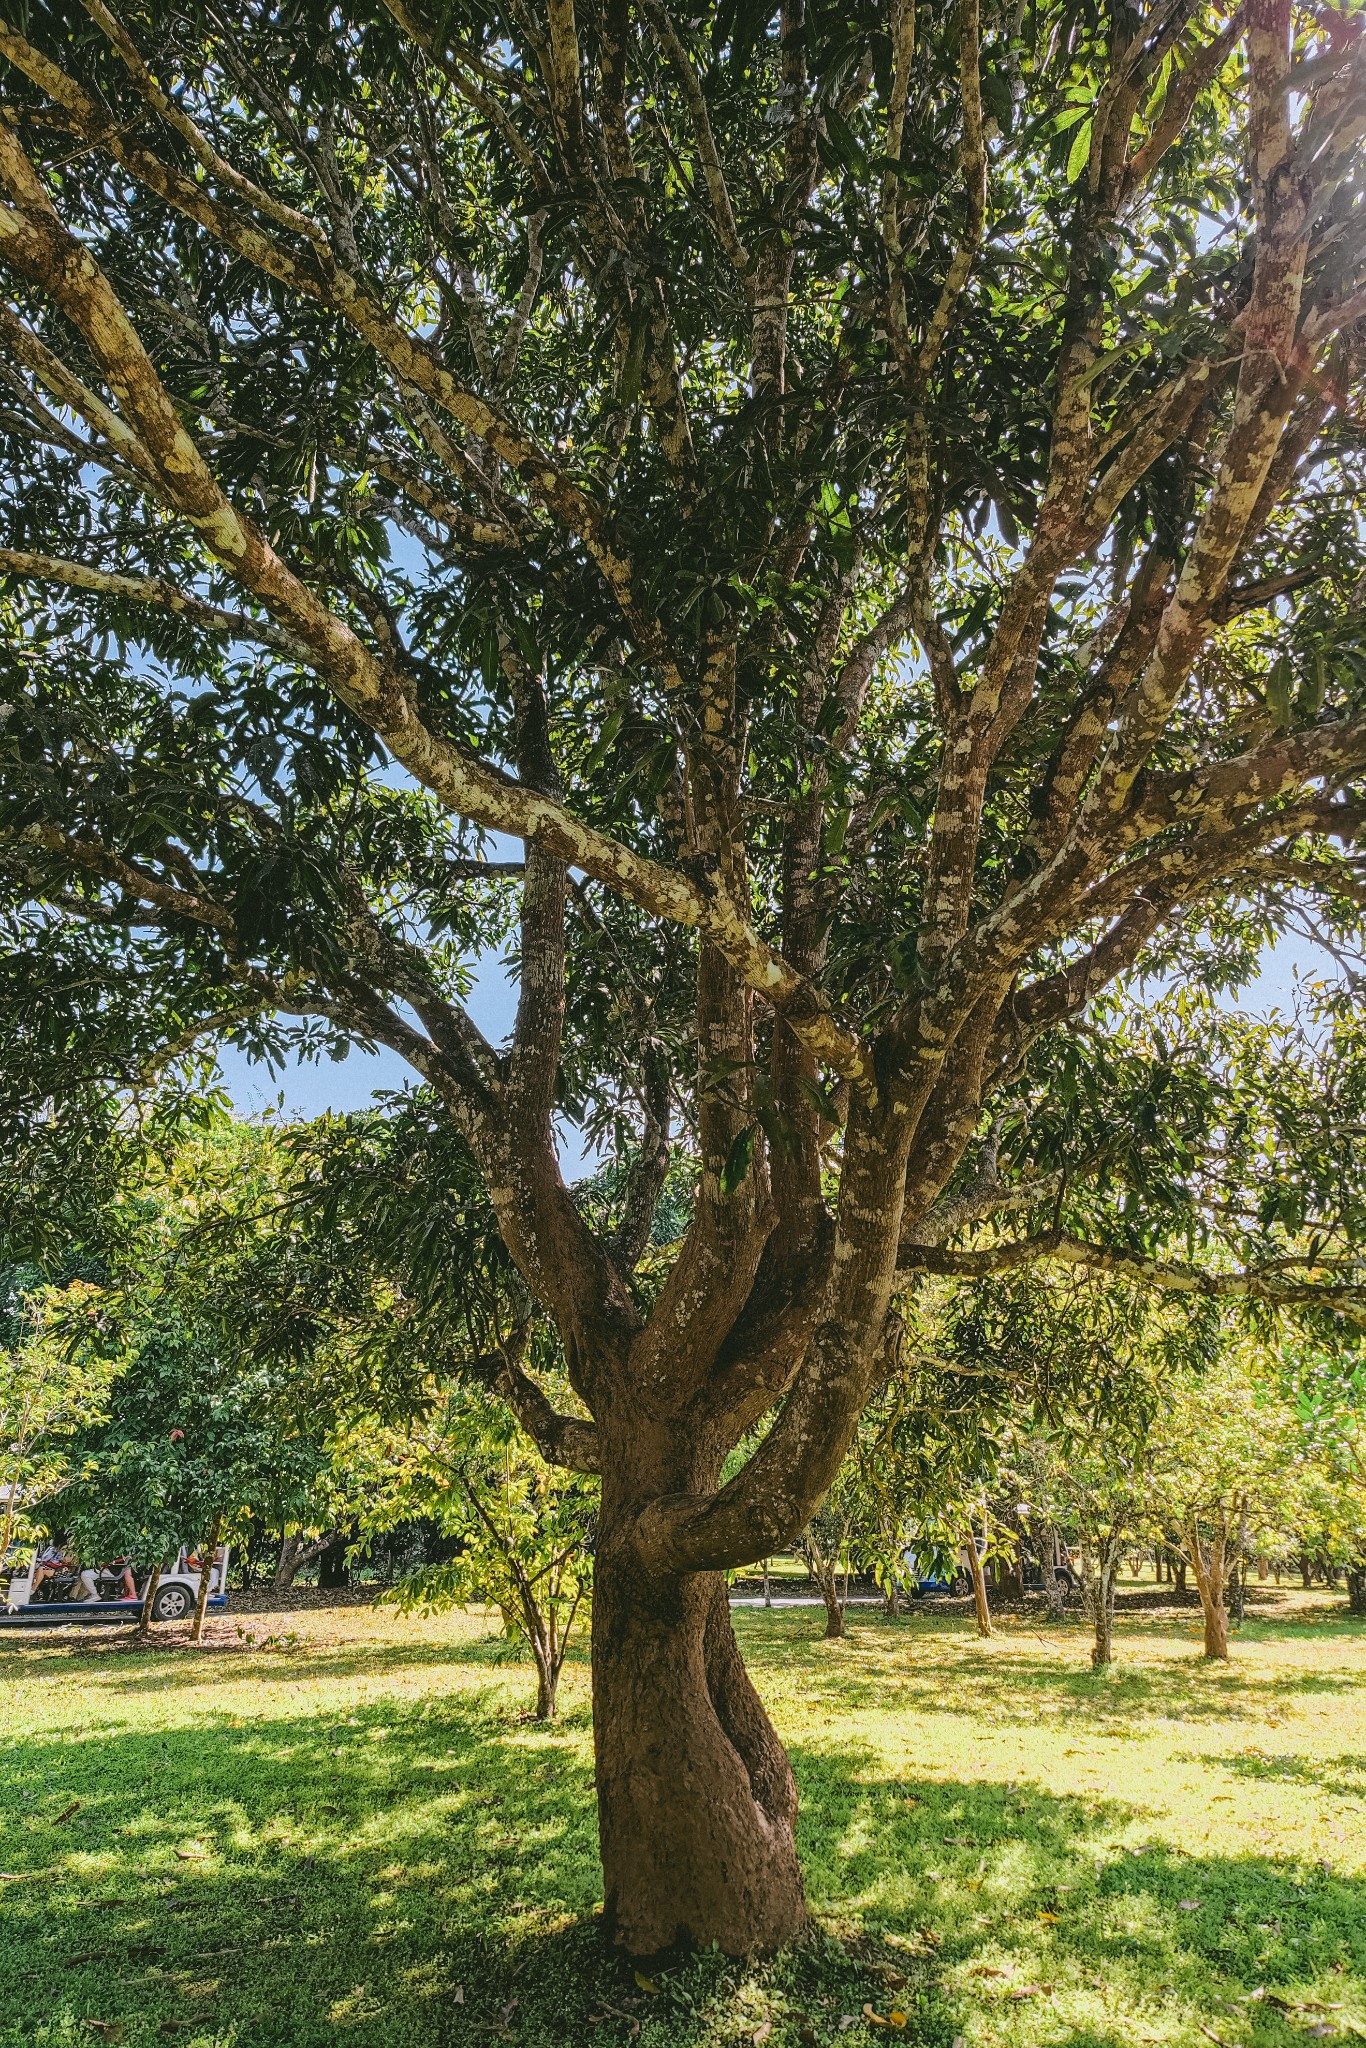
(58, 1589)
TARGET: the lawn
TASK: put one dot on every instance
(342, 1831)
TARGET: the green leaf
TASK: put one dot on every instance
(738, 1161)
(1278, 687)
(1079, 154)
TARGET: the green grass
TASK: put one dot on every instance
(349, 1834)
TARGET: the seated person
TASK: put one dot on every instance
(51, 1562)
(120, 1569)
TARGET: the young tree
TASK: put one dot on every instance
(1225, 1471)
(1092, 1483)
(524, 1530)
(1328, 1394)
(824, 1545)
(814, 480)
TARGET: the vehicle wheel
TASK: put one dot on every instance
(172, 1603)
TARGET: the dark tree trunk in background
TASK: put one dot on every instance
(696, 1799)
(332, 1568)
(1356, 1589)
(1009, 1578)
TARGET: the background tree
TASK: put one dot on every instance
(816, 481)
(1226, 1471)
(49, 1392)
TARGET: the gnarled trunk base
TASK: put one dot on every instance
(696, 1798)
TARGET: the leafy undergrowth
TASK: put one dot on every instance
(342, 1830)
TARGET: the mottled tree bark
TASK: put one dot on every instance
(696, 1799)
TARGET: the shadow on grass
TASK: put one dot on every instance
(875, 1666)
(166, 1663)
(1344, 1776)
(421, 1874)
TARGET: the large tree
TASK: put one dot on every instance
(862, 493)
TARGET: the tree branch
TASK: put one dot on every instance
(1255, 1284)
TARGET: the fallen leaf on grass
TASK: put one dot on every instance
(761, 2032)
(895, 2018)
(647, 1984)
(458, 1995)
(1050, 1919)
(1210, 2035)
(74, 1807)
(108, 2030)
(194, 1854)
(1190, 1905)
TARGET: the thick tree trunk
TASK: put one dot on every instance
(1210, 1578)
(1356, 1589)
(1216, 1629)
(291, 1556)
(696, 1798)
(295, 1553)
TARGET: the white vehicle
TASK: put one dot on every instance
(55, 1588)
